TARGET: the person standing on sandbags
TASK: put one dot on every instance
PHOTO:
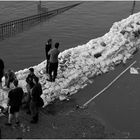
(35, 96)
(53, 62)
(48, 46)
(1, 71)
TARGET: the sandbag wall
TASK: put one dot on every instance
(98, 56)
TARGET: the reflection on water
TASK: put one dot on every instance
(75, 27)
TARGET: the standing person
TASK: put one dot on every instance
(48, 46)
(14, 102)
(29, 86)
(53, 62)
(35, 95)
(1, 71)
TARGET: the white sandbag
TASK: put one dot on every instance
(133, 70)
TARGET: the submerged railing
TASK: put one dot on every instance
(14, 27)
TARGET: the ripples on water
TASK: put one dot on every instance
(74, 27)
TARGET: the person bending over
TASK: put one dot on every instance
(9, 77)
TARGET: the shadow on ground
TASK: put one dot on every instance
(60, 119)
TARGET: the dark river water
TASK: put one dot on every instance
(72, 28)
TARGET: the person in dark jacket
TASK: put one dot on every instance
(1, 71)
(29, 86)
(48, 46)
(30, 77)
(14, 102)
(35, 95)
(53, 62)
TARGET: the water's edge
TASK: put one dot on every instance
(77, 65)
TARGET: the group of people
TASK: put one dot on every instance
(34, 89)
(16, 95)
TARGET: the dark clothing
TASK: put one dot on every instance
(29, 80)
(14, 109)
(15, 99)
(54, 55)
(1, 69)
(47, 66)
(35, 95)
(47, 49)
(12, 76)
(34, 110)
(1, 75)
(53, 68)
(29, 86)
(1, 64)
(36, 92)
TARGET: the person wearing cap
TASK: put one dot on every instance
(15, 97)
(48, 46)
(35, 95)
(53, 62)
(1, 71)
(29, 86)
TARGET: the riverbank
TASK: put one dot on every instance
(61, 120)
(78, 65)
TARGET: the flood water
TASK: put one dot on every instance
(72, 28)
(120, 104)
